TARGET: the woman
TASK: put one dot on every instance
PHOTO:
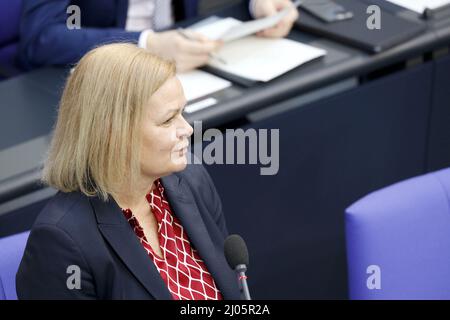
(131, 220)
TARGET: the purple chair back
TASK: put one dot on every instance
(11, 252)
(398, 241)
(10, 13)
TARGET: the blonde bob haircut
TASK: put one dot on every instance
(96, 140)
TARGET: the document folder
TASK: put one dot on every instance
(355, 32)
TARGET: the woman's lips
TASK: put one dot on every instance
(182, 152)
(182, 148)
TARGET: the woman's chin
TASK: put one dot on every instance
(181, 166)
(179, 160)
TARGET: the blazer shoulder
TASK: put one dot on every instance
(61, 207)
(196, 176)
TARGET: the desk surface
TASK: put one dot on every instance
(29, 102)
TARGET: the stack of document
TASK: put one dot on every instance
(252, 57)
(420, 5)
(261, 59)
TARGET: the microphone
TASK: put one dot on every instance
(236, 254)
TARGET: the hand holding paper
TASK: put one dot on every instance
(268, 8)
(230, 29)
(255, 58)
(188, 52)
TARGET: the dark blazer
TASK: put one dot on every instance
(45, 39)
(74, 229)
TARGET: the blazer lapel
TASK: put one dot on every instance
(123, 240)
(182, 202)
(118, 233)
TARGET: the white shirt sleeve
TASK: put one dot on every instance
(149, 14)
(143, 38)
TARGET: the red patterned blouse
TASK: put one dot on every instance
(181, 267)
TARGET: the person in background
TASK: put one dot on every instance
(46, 39)
(132, 219)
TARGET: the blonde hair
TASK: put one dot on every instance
(96, 141)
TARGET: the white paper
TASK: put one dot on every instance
(202, 104)
(420, 5)
(216, 29)
(229, 29)
(264, 59)
(253, 26)
(198, 84)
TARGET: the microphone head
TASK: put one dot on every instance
(236, 251)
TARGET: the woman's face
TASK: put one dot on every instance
(165, 133)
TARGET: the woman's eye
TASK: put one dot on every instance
(168, 121)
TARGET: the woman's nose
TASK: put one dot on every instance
(185, 130)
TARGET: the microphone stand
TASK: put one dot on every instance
(241, 269)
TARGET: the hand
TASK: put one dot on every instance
(187, 53)
(265, 8)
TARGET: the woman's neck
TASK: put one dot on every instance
(133, 197)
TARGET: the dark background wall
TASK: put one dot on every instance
(332, 152)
